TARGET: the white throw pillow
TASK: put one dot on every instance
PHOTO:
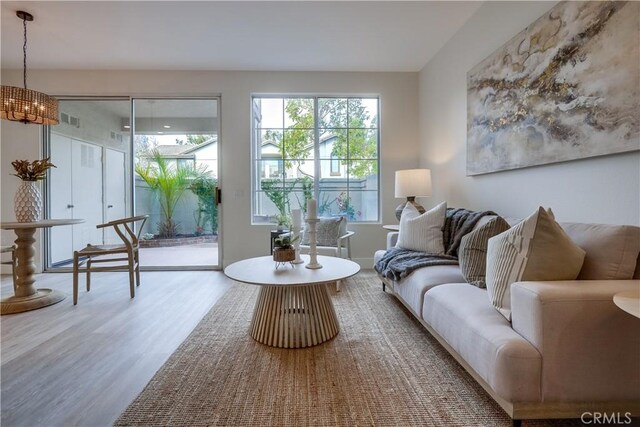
(535, 249)
(422, 233)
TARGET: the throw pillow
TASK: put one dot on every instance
(472, 253)
(535, 249)
(422, 233)
(327, 231)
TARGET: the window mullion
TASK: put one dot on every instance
(348, 153)
(283, 162)
(316, 151)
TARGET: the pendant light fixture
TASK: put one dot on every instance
(26, 105)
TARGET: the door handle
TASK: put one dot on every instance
(69, 206)
(109, 206)
(218, 196)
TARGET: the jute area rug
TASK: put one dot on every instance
(383, 369)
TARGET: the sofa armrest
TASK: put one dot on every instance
(589, 346)
(392, 239)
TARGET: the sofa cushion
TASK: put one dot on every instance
(422, 233)
(463, 316)
(472, 253)
(411, 289)
(535, 249)
(612, 250)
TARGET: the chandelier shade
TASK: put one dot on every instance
(25, 105)
(28, 106)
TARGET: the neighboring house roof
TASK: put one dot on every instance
(183, 151)
(170, 150)
(194, 148)
(269, 143)
(325, 139)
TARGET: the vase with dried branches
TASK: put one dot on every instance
(28, 199)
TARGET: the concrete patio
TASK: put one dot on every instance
(201, 254)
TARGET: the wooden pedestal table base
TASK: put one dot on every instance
(27, 297)
(294, 316)
(293, 309)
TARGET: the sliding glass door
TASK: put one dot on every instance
(176, 176)
(163, 163)
(92, 177)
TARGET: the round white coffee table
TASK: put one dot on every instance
(293, 309)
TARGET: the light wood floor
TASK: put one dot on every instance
(82, 365)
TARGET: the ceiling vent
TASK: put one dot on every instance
(116, 136)
(69, 120)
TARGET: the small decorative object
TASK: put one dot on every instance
(564, 88)
(283, 250)
(412, 183)
(296, 220)
(28, 199)
(313, 241)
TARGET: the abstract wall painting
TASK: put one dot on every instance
(567, 87)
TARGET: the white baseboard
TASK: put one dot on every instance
(364, 263)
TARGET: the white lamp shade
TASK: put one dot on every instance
(413, 183)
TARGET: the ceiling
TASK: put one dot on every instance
(240, 35)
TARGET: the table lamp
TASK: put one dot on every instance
(412, 183)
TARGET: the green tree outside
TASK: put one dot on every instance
(344, 118)
(355, 142)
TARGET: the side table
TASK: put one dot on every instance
(27, 297)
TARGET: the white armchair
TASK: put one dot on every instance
(333, 239)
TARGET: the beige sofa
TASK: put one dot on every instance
(568, 350)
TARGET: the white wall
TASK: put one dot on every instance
(399, 134)
(604, 189)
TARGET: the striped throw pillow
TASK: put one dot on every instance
(422, 233)
(535, 249)
(472, 253)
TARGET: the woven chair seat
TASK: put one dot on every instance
(102, 249)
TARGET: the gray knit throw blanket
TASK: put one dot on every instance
(398, 263)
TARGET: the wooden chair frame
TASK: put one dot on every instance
(13, 263)
(91, 254)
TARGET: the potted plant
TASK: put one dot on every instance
(170, 182)
(283, 221)
(283, 250)
(28, 199)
